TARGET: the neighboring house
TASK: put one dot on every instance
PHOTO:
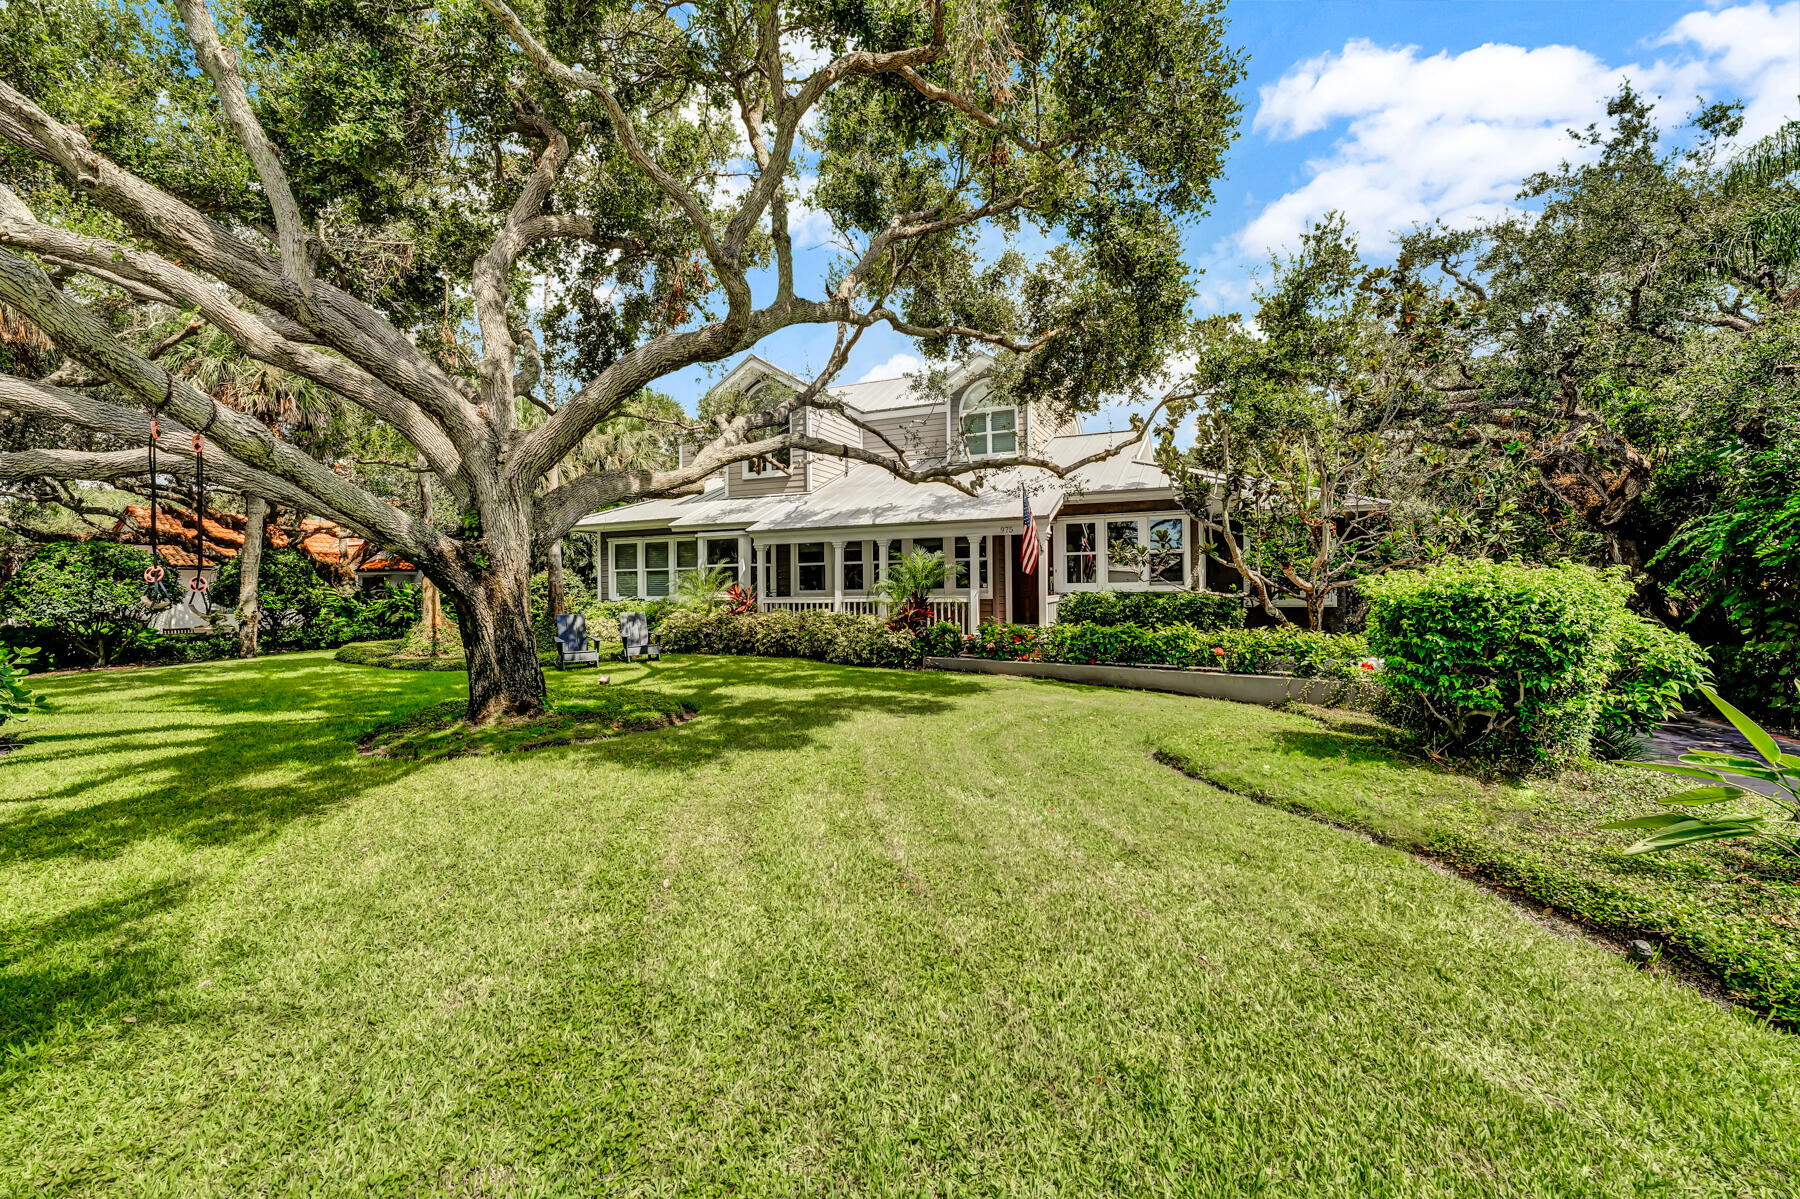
(818, 532)
(337, 552)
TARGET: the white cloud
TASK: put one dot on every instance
(1449, 136)
(897, 367)
(1752, 53)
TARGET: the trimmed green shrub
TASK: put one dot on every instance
(822, 636)
(1654, 670)
(1238, 651)
(82, 602)
(1511, 663)
(1152, 609)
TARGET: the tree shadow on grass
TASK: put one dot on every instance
(222, 753)
(738, 717)
(58, 975)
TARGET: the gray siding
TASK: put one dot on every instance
(747, 486)
(918, 432)
(832, 427)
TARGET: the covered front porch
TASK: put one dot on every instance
(837, 570)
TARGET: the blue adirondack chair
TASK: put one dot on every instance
(634, 632)
(573, 645)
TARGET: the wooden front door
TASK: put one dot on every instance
(1023, 588)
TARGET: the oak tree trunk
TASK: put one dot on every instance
(553, 566)
(493, 609)
(249, 601)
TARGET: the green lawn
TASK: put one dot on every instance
(848, 930)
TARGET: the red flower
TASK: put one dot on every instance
(1219, 651)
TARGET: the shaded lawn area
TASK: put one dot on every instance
(1733, 907)
(848, 930)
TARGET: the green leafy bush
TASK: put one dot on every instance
(324, 614)
(81, 601)
(17, 700)
(822, 636)
(1654, 670)
(941, 640)
(1152, 609)
(1285, 650)
(1501, 661)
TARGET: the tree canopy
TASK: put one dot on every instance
(367, 197)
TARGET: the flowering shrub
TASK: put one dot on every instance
(941, 640)
(1238, 651)
(1152, 609)
(1005, 642)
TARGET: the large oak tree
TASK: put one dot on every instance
(370, 196)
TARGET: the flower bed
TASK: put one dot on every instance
(1287, 651)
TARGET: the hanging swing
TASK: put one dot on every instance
(156, 591)
(158, 595)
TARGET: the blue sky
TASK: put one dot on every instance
(1399, 111)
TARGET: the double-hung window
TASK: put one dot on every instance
(723, 552)
(854, 578)
(1081, 553)
(650, 569)
(809, 565)
(959, 566)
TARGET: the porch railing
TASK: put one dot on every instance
(954, 608)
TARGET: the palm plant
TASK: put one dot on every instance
(908, 587)
(708, 589)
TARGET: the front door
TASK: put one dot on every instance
(1023, 588)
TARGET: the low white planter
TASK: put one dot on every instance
(1266, 689)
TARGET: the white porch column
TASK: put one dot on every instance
(881, 544)
(756, 573)
(747, 564)
(972, 619)
(600, 567)
(1045, 544)
(837, 576)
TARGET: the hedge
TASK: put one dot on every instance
(1522, 665)
(822, 636)
(1278, 650)
(1152, 609)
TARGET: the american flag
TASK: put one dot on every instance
(1028, 547)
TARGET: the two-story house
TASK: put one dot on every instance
(810, 531)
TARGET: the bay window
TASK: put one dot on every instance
(1128, 552)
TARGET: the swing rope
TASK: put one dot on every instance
(156, 595)
(198, 585)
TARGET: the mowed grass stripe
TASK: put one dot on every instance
(920, 934)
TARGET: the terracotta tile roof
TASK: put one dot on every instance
(325, 542)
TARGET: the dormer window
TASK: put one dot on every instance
(990, 428)
(778, 463)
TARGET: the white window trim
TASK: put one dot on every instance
(985, 407)
(794, 569)
(675, 570)
(1101, 563)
